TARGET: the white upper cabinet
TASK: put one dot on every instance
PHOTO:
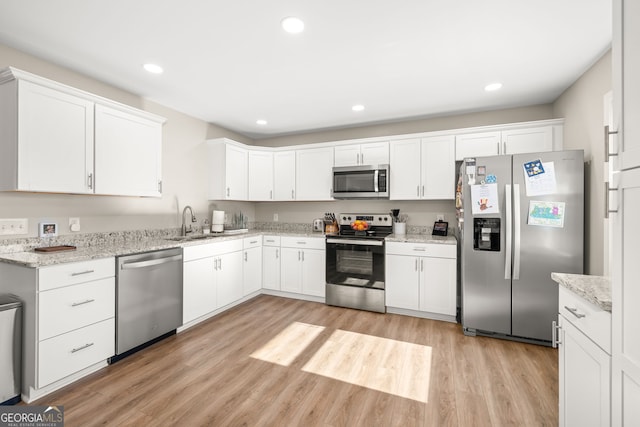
(260, 175)
(314, 173)
(422, 168)
(374, 153)
(514, 140)
(128, 154)
(47, 143)
(52, 135)
(284, 175)
(227, 170)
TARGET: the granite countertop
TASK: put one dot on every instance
(595, 289)
(421, 238)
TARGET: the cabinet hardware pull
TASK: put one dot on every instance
(253, 241)
(555, 328)
(423, 191)
(421, 265)
(298, 255)
(607, 154)
(77, 349)
(302, 256)
(419, 249)
(574, 311)
(416, 264)
(79, 273)
(271, 194)
(362, 159)
(292, 195)
(301, 243)
(220, 263)
(418, 190)
(90, 181)
(245, 256)
(270, 241)
(75, 304)
(228, 191)
(277, 254)
(160, 186)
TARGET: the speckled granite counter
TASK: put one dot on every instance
(421, 238)
(595, 289)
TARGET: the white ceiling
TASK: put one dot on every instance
(230, 63)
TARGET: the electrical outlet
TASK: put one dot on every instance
(439, 217)
(275, 217)
(12, 226)
(74, 224)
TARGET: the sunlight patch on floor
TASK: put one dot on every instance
(395, 367)
(288, 344)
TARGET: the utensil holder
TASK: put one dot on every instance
(399, 228)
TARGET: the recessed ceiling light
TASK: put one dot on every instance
(153, 68)
(358, 107)
(261, 122)
(293, 25)
(493, 86)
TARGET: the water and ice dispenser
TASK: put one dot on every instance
(486, 234)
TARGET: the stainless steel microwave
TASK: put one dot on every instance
(361, 182)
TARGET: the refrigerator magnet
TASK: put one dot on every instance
(534, 168)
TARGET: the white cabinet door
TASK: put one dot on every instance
(271, 267)
(314, 173)
(229, 283)
(260, 175)
(405, 165)
(347, 155)
(284, 175)
(402, 282)
(236, 173)
(290, 270)
(313, 272)
(584, 379)
(374, 153)
(55, 141)
(199, 288)
(438, 168)
(478, 145)
(128, 154)
(530, 140)
(252, 271)
(438, 285)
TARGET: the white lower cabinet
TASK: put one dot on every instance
(421, 277)
(252, 265)
(229, 278)
(584, 346)
(302, 265)
(271, 262)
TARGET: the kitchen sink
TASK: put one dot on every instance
(190, 238)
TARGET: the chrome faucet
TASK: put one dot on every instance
(186, 230)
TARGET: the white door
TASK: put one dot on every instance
(347, 155)
(199, 288)
(271, 267)
(313, 272)
(477, 145)
(55, 134)
(405, 166)
(229, 283)
(438, 168)
(128, 154)
(402, 282)
(530, 140)
(625, 251)
(236, 173)
(290, 270)
(438, 285)
(374, 153)
(260, 175)
(314, 173)
(252, 271)
(284, 175)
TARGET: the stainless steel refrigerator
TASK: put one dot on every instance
(522, 218)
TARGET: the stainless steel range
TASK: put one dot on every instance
(355, 262)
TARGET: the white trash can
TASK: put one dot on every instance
(10, 349)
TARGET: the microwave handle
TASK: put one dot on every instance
(375, 181)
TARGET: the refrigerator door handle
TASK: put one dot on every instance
(516, 232)
(508, 237)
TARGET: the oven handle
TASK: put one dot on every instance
(356, 242)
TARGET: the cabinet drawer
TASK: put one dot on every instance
(302, 242)
(435, 250)
(61, 275)
(590, 319)
(211, 249)
(73, 307)
(271, 240)
(252, 242)
(65, 354)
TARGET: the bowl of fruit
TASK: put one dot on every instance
(360, 225)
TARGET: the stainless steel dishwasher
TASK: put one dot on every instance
(148, 299)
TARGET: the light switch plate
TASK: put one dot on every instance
(11, 226)
(74, 224)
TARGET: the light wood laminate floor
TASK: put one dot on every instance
(282, 362)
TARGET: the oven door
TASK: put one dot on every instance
(355, 262)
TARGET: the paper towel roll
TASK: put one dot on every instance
(217, 222)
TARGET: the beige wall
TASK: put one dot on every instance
(582, 106)
(183, 167)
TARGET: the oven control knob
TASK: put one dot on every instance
(349, 218)
(344, 218)
(379, 218)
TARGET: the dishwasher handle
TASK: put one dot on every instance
(142, 264)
